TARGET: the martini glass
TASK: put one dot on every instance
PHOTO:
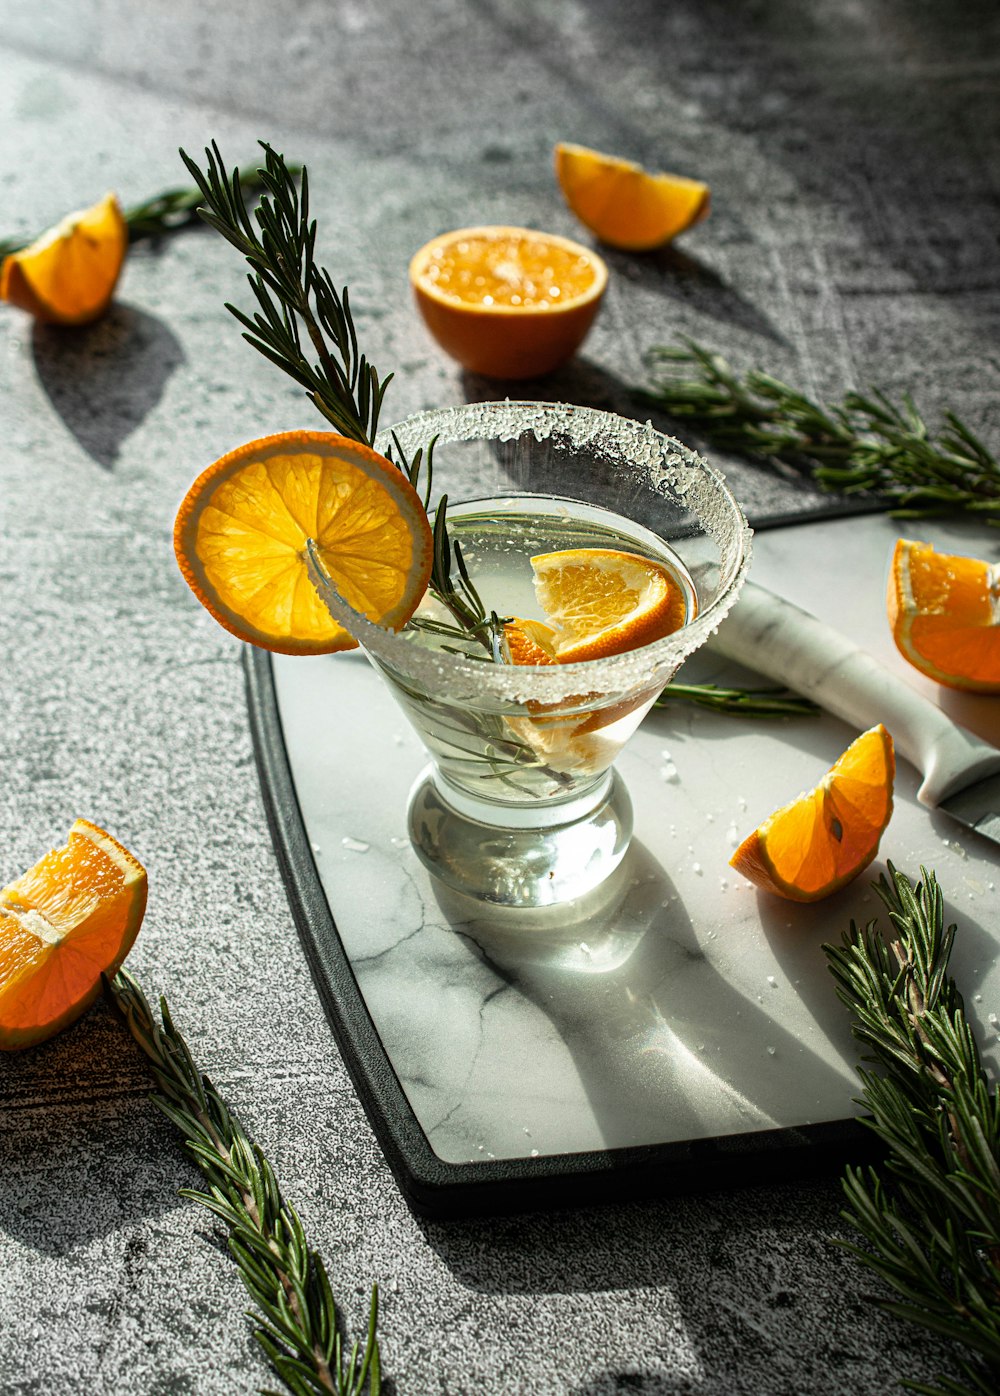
(520, 804)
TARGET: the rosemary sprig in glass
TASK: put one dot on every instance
(167, 212)
(865, 444)
(931, 1216)
(297, 1324)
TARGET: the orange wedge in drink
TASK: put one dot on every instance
(71, 918)
(624, 205)
(68, 275)
(604, 602)
(241, 532)
(825, 837)
(508, 302)
(945, 615)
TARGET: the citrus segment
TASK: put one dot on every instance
(624, 205)
(945, 615)
(528, 642)
(824, 838)
(67, 920)
(68, 275)
(507, 302)
(604, 602)
(241, 532)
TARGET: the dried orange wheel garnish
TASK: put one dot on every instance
(71, 918)
(241, 532)
(68, 275)
(508, 302)
(824, 838)
(624, 205)
(945, 615)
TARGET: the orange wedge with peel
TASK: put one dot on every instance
(821, 840)
(507, 302)
(604, 602)
(241, 532)
(71, 918)
(945, 615)
(68, 275)
(624, 205)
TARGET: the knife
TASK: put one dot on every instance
(961, 774)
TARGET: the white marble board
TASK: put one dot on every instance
(701, 1007)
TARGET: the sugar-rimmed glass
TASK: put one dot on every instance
(520, 804)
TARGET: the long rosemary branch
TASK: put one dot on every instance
(297, 1323)
(863, 445)
(739, 702)
(167, 212)
(931, 1217)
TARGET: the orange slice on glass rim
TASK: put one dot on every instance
(624, 205)
(68, 275)
(821, 840)
(945, 615)
(71, 918)
(241, 532)
(508, 302)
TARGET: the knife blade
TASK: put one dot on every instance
(774, 637)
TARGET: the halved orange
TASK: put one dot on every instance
(623, 204)
(508, 302)
(68, 275)
(241, 531)
(825, 837)
(945, 615)
(67, 920)
(604, 602)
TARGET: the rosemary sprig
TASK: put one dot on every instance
(863, 445)
(739, 702)
(297, 1324)
(167, 212)
(931, 1218)
(300, 310)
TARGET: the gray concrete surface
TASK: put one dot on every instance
(852, 150)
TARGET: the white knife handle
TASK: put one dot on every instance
(765, 633)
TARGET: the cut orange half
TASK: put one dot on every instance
(825, 837)
(241, 532)
(70, 918)
(508, 302)
(945, 615)
(623, 204)
(68, 275)
(604, 602)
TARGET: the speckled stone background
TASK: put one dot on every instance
(852, 148)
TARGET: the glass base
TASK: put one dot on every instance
(521, 861)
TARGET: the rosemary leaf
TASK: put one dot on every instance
(298, 1326)
(865, 444)
(930, 1220)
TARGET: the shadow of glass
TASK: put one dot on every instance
(103, 379)
(664, 1048)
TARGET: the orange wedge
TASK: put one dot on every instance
(68, 275)
(623, 204)
(70, 918)
(945, 615)
(824, 838)
(605, 602)
(241, 531)
(508, 302)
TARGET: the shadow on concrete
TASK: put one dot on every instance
(103, 379)
(84, 1153)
